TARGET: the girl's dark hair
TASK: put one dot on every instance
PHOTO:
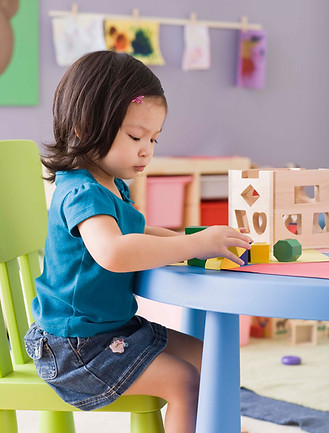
(90, 104)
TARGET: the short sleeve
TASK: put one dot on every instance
(124, 190)
(85, 201)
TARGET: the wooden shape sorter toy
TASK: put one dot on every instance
(279, 204)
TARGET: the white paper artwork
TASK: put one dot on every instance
(197, 47)
(75, 36)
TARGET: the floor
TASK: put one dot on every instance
(119, 423)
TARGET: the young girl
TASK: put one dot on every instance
(87, 342)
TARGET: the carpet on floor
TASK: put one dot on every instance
(286, 395)
(283, 413)
(306, 384)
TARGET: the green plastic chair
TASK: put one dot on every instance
(23, 228)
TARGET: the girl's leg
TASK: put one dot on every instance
(174, 375)
(185, 347)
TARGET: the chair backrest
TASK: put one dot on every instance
(23, 229)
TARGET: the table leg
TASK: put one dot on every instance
(219, 397)
(193, 322)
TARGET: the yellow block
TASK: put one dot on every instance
(228, 264)
(260, 252)
(238, 251)
(214, 263)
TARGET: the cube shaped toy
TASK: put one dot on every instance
(188, 231)
(275, 204)
(260, 252)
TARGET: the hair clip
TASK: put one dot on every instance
(138, 100)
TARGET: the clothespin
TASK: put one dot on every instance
(193, 18)
(74, 11)
(135, 15)
(244, 24)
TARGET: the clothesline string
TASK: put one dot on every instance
(243, 25)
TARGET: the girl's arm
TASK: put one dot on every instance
(160, 231)
(134, 252)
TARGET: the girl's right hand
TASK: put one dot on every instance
(215, 241)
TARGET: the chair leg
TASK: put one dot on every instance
(55, 422)
(8, 421)
(150, 422)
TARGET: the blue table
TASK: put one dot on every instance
(223, 296)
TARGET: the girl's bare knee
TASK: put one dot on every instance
(186, 386)
(185, 347)
(174, 379)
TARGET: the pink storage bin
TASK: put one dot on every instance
(165, 314)
(165, 200)
(245, 323)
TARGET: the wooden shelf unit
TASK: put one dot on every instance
(193, 166)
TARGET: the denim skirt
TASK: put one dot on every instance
(92, 372)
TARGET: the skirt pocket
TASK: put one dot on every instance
(38, 349)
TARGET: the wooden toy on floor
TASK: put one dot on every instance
(281, 203)
(269, 327)
(303, 332)
(323, 327)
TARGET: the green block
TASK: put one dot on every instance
(197, 262)
(287, 250)
(193, 229)
(188, 231)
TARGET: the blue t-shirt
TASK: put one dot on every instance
(75, 296)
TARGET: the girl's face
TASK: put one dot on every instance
(133, 146)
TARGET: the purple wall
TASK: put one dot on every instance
(286, 122)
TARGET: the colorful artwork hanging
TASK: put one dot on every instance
(76, 35)
(19, 52)
(197, 47)
(252, 59)
(140, 39)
